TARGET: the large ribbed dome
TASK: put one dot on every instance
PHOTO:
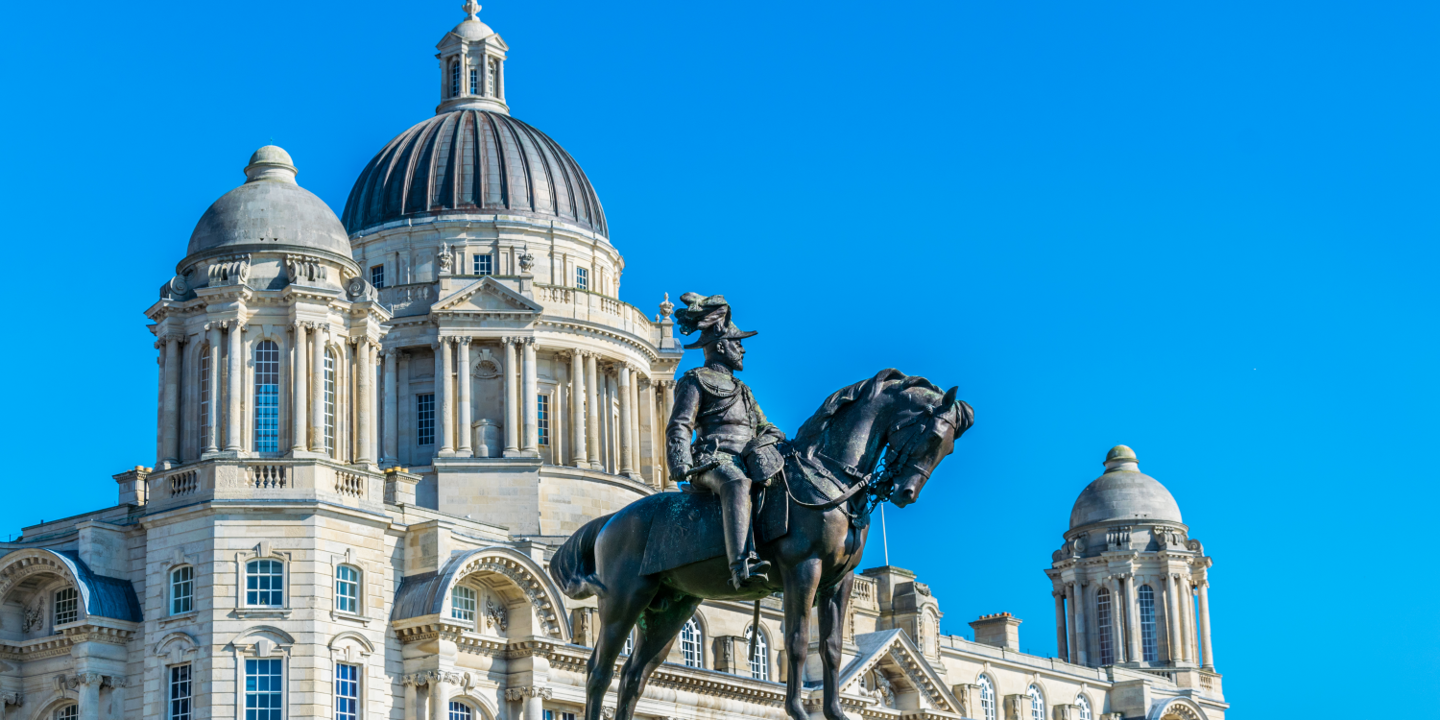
(472, 161)
(1123, 493)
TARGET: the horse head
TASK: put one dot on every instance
(921, 434)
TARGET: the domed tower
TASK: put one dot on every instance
(1129, 577)
(511, 362)
(267, 337)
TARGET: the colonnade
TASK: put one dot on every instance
(1187, 630)
(227, 399)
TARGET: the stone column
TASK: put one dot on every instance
(527, 443)
(170, 429)
(577, 409)
(512, 436)
(1081, 640)
(232, 388)
(636, 464)
(1117, 616)
(212, 387)
(1132, 604)
(411, 701)
(668, 408)
(365, 377)
(1192, 643)
(1172, 619)
(317, 372)
(592, 413)
(89, 695)
(439, 689)
(444, 391)
(627, 449)
(535, 702)
(299, 417)
(462, 374)
(1062, 648)
(1207, 654)
(390, 454)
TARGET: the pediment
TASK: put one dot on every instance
(900, 664)
(485, 296)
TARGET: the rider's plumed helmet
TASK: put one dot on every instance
(709, 315)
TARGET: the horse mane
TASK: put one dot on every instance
(865, 389)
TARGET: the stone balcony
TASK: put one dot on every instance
(299, 479)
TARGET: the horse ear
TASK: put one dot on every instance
(949, 399)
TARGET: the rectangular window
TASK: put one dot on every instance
(474, 81)
(482, 265)
(493, 67)
(265, 583)
(347, 692)
(582, 278)
(1103, 615)
(329, 404)
(204, 398)
(425, 419)
(462, 603)
(267, 396)
(67, 606)
(377, 276)
(1147, 623)
(69, 712)
(180, 692)
(542, 417)
(264, 691)
(455, 78)
(347, 589)
(182, 590)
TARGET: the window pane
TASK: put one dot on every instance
(180, 692)
(425, 419)
(69, 712)
(691, 644)
(264, 693)
(377, 276)
(462, 603)
(204, 398)
(347, 589)
(267, 397)
(330, 403)
(347, 692)
(265, 583)
(182, 590)
(67, 606)
(1147, 623)
(582, 278)
(460, 711)
(760, 658)
(987, 698)
(542, 410)
(1102, 609)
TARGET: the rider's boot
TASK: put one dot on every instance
(746, 568)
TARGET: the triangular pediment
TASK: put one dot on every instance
(486, 295)
(900, 664)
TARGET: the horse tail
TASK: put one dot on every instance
(573, 565)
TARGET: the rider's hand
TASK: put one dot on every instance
(681, 471)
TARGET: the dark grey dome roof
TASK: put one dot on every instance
(269, 208)
(1123, 493)
(472, 161)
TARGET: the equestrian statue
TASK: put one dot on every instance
(760, 514)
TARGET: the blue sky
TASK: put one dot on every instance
(1205, 231)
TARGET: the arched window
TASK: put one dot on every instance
(692, 643)
(494, 71)
(347, 589)
(987, 698)
(267, 396)
(1103, 614)
(330, 403)
(760, 659)
(67, 606)
(265, 583)
(182, 590)
(69, 712)
(204, 398)
(1037, 703)
(454, 78)
(462, 603)
(1147, 623)
(1082, 708)
(461, 711)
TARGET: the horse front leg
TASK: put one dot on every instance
(833, 602)
(801, 581)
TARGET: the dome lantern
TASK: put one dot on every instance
(472, 66)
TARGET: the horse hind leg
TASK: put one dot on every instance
(618, 614)
(654, 635)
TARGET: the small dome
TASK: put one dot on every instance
(471, 29)
(472, 161)
(270, 210)
(1123, 493)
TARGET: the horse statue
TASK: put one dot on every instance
(875, 441)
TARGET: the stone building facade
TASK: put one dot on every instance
(374, 429)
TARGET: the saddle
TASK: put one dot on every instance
(685, 527)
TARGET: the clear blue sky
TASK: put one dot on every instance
(1205, 230)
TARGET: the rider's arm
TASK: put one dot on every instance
(681, 429)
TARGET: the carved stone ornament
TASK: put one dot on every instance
(666, 307)
(34, 616)
(495, 614)
(487, 368)
(527, 261)
(177, 284)
(444, 259)
(355, 288)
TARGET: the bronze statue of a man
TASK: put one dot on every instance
(733, 446)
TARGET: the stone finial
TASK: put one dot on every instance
(471, 9)
(1121, 458)
(527, 260)
(270, 163)
(666, 307)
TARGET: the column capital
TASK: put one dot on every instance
(174, 336)
(509, 340)
(528, 339)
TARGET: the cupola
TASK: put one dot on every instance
(472, 66)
